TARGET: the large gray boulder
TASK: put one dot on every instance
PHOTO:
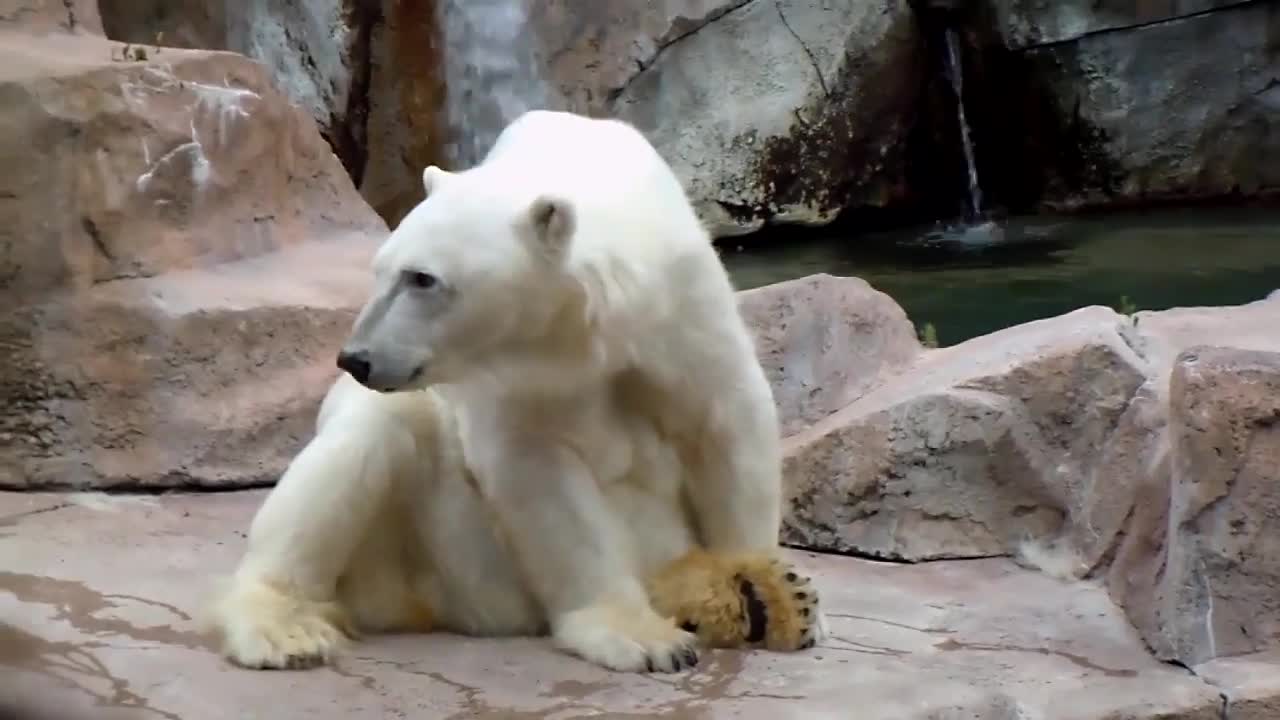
(783, 110)
(1180, 98)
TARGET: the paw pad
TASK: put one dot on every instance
(757, 615)
(779, 606)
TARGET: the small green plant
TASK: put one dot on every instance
(1126, 306)
(929, 335)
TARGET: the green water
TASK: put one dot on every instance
(1043, 266)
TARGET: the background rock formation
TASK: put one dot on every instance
(1166, 100)
(180, 251)
(1139, 450)
(786, 110)
(782, 111)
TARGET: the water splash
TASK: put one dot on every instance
(955, 73)
(493, 73)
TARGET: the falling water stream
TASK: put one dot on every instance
(493, 72)
(955, 73)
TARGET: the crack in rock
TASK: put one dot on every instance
(1133, 27)
(643, 66)
(813, 59)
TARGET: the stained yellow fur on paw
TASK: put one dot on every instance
(740, 600)
(262, 626)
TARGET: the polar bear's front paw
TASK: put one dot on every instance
(741, 600)
(781, 605)
(626, 638)
(263, 628)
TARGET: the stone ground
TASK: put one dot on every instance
(99, 595)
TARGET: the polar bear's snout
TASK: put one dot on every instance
(365, 368)
(356, 364)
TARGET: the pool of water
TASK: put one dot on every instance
(967, 283)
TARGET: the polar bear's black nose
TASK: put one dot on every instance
(355, 363)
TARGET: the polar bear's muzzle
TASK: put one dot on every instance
(376, 353)
(363, 367)
(356, 364)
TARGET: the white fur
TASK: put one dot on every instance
(575, 403)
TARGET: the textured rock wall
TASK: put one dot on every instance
(1138, 450)
(779, 111)
(180, 253)
(1147, 102)
(369, 72)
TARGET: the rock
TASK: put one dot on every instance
(1027, 23)
(181, 254)
(786, 111)
(1250, 684)
(1138, 576)
(591, 51)
(1165, 124)
(46, 16)
(1086, 444)
(98, 609)
(406, 100)
(1216, 590)
(971, 449)
(824, 341)
(316, 53)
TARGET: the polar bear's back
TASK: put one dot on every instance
(613, 175)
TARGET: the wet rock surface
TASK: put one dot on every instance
(100, 599)
(1027, 23)
(1159, 121)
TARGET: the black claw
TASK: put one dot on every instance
(791, 577)
(801, 596)
(807, 644)
(689, 626)
(691, 657)
(804, 612)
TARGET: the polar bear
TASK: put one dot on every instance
(551, 421)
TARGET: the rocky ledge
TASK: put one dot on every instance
(1139, 451)
(1075, 518)
(158, 205)
(98, 597)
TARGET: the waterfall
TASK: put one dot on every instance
(956, 75)
(492, 70)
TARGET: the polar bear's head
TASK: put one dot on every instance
(477, 269)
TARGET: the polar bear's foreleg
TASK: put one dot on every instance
(735, 486)
(570, 548)
(281, 609)
(736, 475)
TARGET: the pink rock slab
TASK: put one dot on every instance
(99, 595)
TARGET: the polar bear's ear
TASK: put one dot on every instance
(552, 219)
(431, 178)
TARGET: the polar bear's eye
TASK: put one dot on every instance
(420, 279)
